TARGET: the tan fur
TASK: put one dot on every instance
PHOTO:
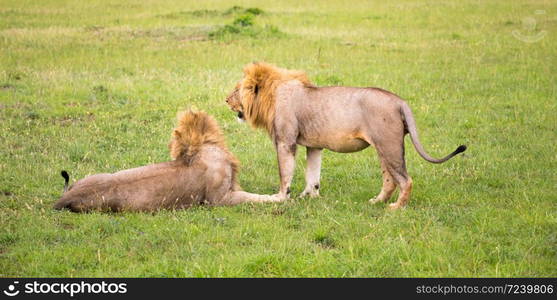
(203, 171)
(341, 119)
(265, 78)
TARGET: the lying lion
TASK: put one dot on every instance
(342, 119)
(202, 171)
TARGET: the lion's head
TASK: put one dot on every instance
(234, 102)
(195, 129)
(253, 98)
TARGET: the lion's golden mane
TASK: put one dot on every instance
(257, 91)
(194, 130)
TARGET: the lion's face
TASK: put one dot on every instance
(234, 102)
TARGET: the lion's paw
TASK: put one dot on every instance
(280, 197)
(376, 200)
(395, 206)
(275, 198)
(311, 194)
(379, 198)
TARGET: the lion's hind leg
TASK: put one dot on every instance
(74, 204)
(405, 191)
(392, 159)
(313, 170)
(397, 168)
(388, 188)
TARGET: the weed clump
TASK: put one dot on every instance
(243, 21)
(324, 240)
(240, 10)
(205, 13)
(254, 11)
(244, 25)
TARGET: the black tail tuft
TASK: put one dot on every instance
(460, 149)
(66, 179)
(65, 175)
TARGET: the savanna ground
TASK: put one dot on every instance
(95, 86)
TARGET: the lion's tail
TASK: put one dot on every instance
(66, 179)
(411, 127)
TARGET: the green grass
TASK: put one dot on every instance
(93, 86)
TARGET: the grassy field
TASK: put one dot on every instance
(94, 86)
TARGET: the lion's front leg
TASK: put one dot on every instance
(286, 153)
(313, 172)
(239, 197)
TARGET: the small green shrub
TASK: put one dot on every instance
(244, 25)
(243, 21)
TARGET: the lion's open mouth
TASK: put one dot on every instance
(240, 115)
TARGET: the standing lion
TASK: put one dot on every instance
(342, 119)
(202, 171)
